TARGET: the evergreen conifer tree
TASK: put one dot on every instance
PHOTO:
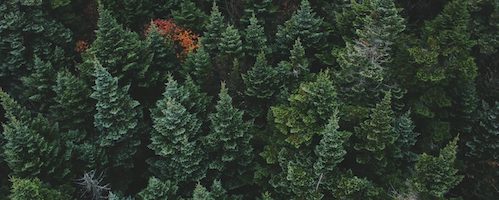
(198, 65)
(435, 176)
(295, 70)
(175, 140)
(229, 139)
(72, 107)
(201, 193)
(163, 59)
(407, 138)
(119, 50)
(231, 44)
(255, 40)
(331, 149)
(190, 16)
(157, 189)
(116, 121)
(376, 135)
(304, 25)
(262, 79)
(38, 84)
(309, 109)
(214, 29)
(23, 189)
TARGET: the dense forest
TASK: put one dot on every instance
(249, 99)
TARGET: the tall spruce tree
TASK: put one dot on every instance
(23, 189)
(231, 44)
(331, 148)
(157, 189)
(38, 85)
(262, 79)
(309, 109)
(295, 70)
(214, 29)
(117, 122)
(255, 40)
(73, 106)
(229, 139)
(175, 140)
(304, 24)
(376, 136)
(190, 16)
(163, 59)
(198, 65)
(119, 50)
(435, 176)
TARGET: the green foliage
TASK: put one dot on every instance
(214, 29)
(72, 107)
(255, 40)
(175, 140)
(190, 16)
(119, 50)
(445, 52)
(304, 25)
(229, 139)
(198, 65)
(38, 84)
(262, 79)
(353, 187)
(24, 189)
(201, 193)
(157, 189)
(376, 135)
(163, 58)
(484, 144)
(435, 176)
(116, 120)
(231, 44)
(309, 109)
(407, 137)
(331, 149)
(33, 146)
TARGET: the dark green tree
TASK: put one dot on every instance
(255, 40)
(157, 189)
(117, 123)
(231, 44)
(212, 37)
(175, 141)
(38, 85)
(376, 136)
(198, 65)
(304, 24)
(435, 176)
(119, 50)
(73, 107)
(331, 149)
(190, 16)
(309, 109)
(262, 79)
(295, 70)
(407, 138)
(163, 59)
(23, 189)
(229, 139)
(201, 193)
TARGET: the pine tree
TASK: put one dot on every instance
(407, 138)
(255, 40)
(229, 140)
(309, 109)
(157, 189)
(376, 135)
(214, 29)
(163, 59)
(34, 147)
(198, 65)
(38, 84)
(446, 44)
(72, 107)
(201, 193)
(296, 69)
(262, 79)
(435, 176)
(331, 149)
(116, 120)
(175, 141)
(217, 191)
(23, 189)
(231, 44)
(304, 25)
(120, 51)
(190, 16)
